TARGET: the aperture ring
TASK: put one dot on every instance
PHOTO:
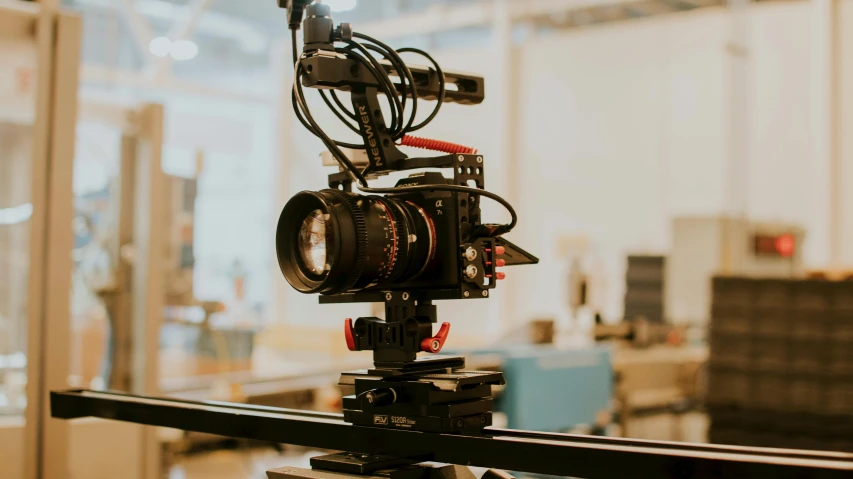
(403, 223)
(392, 256)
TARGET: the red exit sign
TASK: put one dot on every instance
(780, 246)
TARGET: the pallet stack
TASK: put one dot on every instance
(644, 288)
(781, 364)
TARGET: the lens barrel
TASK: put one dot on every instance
(367, 241)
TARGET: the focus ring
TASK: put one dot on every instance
(361, 240)
(402, 229)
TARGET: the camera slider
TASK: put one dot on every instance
(453, 402)
(505, 449)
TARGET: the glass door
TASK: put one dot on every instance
(116, 294)
(98, 277)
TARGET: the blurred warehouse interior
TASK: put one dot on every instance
(682, 169)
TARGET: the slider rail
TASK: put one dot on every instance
(545, 453)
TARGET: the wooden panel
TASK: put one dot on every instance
(17, 19)
(60, 239)
(38, 234)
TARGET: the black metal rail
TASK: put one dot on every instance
(545, 453)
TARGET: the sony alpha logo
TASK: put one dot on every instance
(380, 419)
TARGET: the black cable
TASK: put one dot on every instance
(383, 87)
(296, 108)
(338, 114)
(330, 144)
(442, 86)
(293, 49)
(398, 129)
(405, 74)
(315, 128)
(387, 86)
(338, 102)
(395, 65)
(300, 105)
(379, 72)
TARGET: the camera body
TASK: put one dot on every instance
(452, 215)
(429, 243)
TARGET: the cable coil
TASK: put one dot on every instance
(399, 126)
(436, 145)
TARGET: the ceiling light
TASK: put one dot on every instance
(160, 47)
(184, 50)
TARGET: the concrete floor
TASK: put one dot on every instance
(238, 463)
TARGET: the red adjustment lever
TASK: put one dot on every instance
(500, 250)
(434, 344)
(500, 262)
(348, 334)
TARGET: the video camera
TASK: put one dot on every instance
(425, 236)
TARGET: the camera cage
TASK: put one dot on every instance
(323, 67)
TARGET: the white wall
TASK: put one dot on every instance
(627, 125)
(599, 108)
(845, 43)
(786, 182)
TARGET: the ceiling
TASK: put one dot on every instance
(237, 36)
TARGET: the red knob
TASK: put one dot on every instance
(500, 250)
(348, 334)
(500, 275)
(434, 344)
(500, 262)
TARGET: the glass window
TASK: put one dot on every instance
(96, 286)
(15, 211)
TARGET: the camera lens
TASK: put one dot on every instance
(333, 242)
(313, 240)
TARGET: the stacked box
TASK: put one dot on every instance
(644, 288)
(781, 363)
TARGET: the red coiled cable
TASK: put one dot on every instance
(436, 145)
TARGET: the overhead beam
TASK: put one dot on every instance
(439, 17)
(184, 28)
(181, 30)
(140, 29)
(444, 17)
